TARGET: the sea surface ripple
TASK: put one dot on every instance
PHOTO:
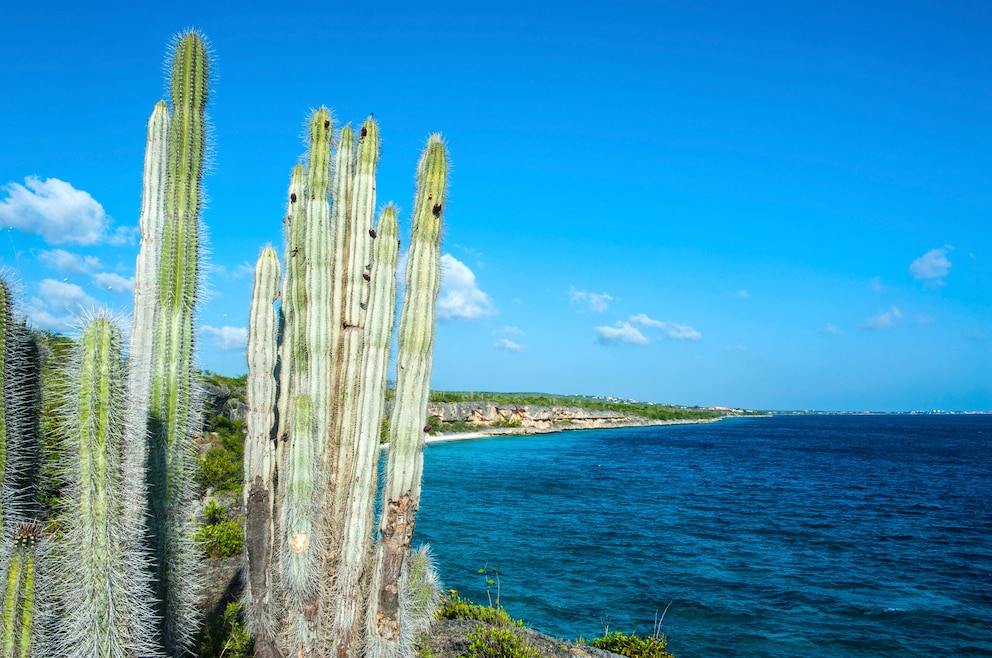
(790, 536)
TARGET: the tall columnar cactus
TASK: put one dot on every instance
(20, 365)
(102, 612)
(173, 399)
(328, 453)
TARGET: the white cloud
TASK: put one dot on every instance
(227, 338)
(829, 330)
(742, 294)
(883, 320)
(642, 320)
(932, 266)
(114, 282)
(59, 213)
(622, 334)
(681, 332)
(597, 302)
(66, 261)
(510, 331)
(460, 296)
(671, 329)
(507, 344)
(58, 305)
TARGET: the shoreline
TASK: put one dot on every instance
(488, 432)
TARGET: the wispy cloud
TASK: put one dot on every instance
(244, 269)
(511, 331)
(932, 266)
(623, 333)
(460, 296)
(742, 294)
(227, 338)
(883, 320)
(596, 302)
(114, 282)
(671, 329)
(829, 330)
(509, 345)
(875, 283)
(59, 213)
(61, 260)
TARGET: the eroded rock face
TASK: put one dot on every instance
(536, 417)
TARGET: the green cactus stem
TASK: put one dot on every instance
(293, 347)
(21, 627)
(100, 609)
(259, 453)
(173, 412)
(413, 370)
(356, 544)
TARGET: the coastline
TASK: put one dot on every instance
(487, 432)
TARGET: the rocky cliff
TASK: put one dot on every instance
(534, 418)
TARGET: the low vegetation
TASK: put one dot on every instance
(648, 410)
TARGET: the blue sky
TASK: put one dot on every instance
(769, 204)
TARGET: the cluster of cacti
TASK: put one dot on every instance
(121, 579)
(111, 572)
(320, 579)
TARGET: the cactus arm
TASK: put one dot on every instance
(292, 331)
(259, 448)
(299, 522)
(413, 369)
(358, 517)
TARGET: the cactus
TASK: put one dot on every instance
(173, 398)
(404, 466)
(102, 612)
(21, 634)
(123, 572)
(260, 449)
(338, 309)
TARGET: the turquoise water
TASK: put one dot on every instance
(783, 536)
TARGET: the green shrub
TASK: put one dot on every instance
(225, 635)
(497, 642)
(455, 607)
(219, 536)
(222, 467)
(633, 646)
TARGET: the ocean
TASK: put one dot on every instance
(819, 535)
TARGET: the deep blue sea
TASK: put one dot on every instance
(777, 536)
